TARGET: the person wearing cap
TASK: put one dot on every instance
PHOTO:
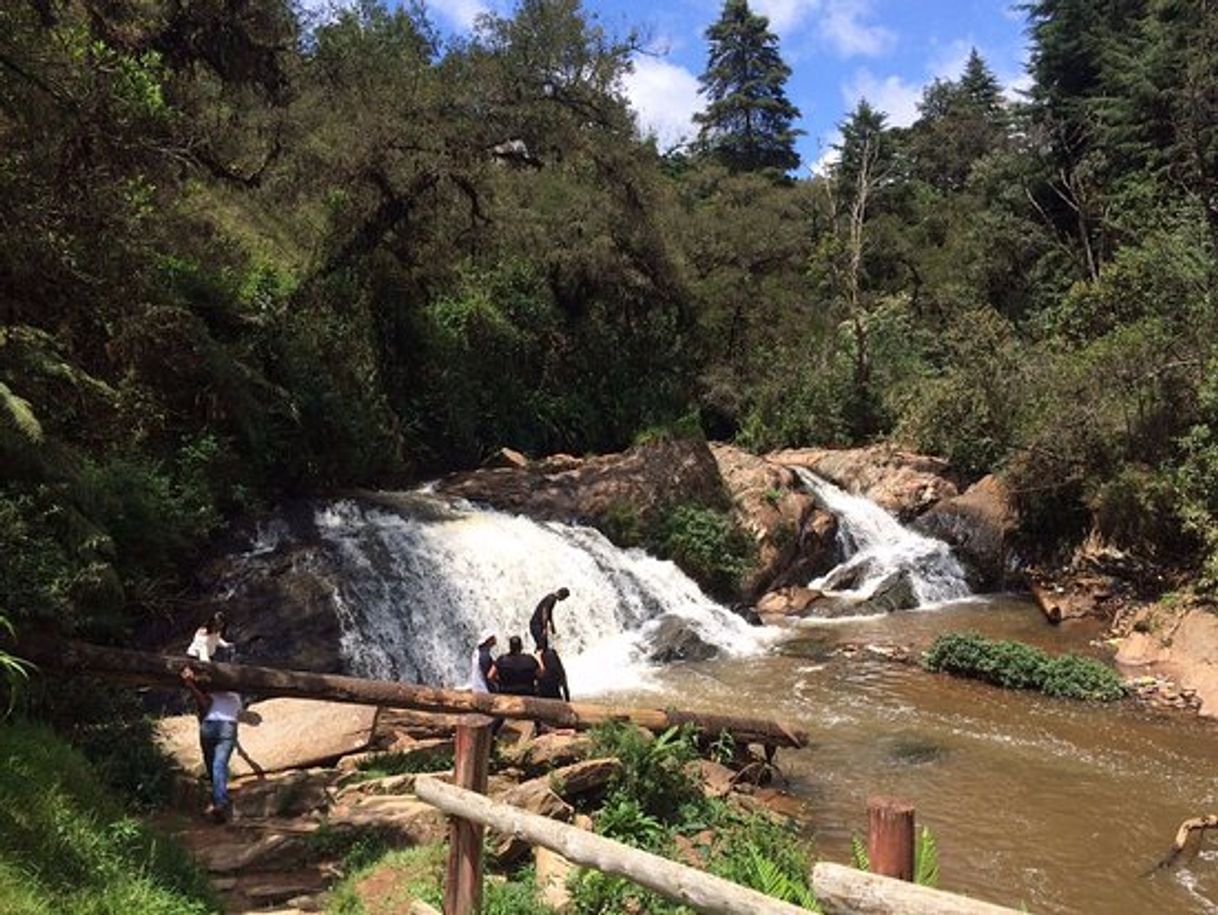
(482, 662)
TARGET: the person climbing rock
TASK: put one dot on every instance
(541, 626)
(515, 673)
(209, 637)
(218, 711)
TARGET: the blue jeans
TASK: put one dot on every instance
(217, 740)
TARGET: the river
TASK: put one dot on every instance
(1055, 805)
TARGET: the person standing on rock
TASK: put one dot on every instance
(218, 712)
(541, 626)
(515, 673)
(482, 662)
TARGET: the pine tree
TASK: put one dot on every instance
(747, 124)
(979, 87)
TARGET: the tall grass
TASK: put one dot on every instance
(68, 848)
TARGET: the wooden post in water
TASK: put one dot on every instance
(463, 881)
(890, 837)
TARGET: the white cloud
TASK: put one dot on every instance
(1016, 84)
(786, 15)
(947, 61)
(460, 13)
(892, 95)
(844, 27)
(665, 97)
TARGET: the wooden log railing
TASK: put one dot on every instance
(840, 890)
(163, 670)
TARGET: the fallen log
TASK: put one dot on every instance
(1188, 829)
(147, 668)
(686, 885)
(843, 890)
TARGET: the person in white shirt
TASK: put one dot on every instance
(218, 712)
(481, 662)
(209, 637)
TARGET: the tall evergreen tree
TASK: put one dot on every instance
(747, 123)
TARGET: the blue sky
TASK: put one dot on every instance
(839, 51)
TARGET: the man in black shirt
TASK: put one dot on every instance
(516, 672)
(542, 623)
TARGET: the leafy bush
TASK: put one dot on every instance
(66, 847)
(654, 775)
(1015, 665)
(400, 763)
(708, 545)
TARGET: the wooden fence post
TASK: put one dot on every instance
(890, 837)
(463, 880)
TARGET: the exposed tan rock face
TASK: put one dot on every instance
(904, 483)
(278, 734)
(1180, 642)
(639, 481)
(795, 539)
(979, 524)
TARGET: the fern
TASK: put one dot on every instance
(926, 859)
(20, 415)
(769, 878)
(858, 854)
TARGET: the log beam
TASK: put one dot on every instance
(845, 891)
(146, 668)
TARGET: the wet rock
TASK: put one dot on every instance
(788, 602)
(904, 483)
(278, 734)
(896, 592)
(980, 525)
(795, 540)
(913, 751)
(673, 639)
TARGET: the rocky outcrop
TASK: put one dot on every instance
(793, 602)
(980, 525)
(276, 735)
(1180, 642)
(904, 483)
(673, 639)
(637, 483)
(1098, 582)
(795, 539)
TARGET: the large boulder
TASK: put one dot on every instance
(627, 488)
(979, 524)
(902, 482)
(795, 539)
(278, 734)
(673, 639)
(791, 602)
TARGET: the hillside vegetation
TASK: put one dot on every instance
(245, 254)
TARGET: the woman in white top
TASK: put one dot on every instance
(209, 637)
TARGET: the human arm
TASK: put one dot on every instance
(202, 699)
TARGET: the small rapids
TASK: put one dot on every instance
(878, 549)
(414, 582)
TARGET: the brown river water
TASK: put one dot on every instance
(1054, 805)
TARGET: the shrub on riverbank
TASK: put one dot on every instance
(1015, 665)
(66, 847)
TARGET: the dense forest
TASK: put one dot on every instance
(246, 254)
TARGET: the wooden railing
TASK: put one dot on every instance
(840, 890)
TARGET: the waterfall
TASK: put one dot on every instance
(416, 579)
(880, 552)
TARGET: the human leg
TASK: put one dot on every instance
(225, 742)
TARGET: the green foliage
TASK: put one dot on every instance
(1015, 665)
(65, 846)
(708, 545)
(926, 859)
(400, 763)
(653, 781)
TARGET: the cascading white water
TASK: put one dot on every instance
(877, 548)
(415, 584)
